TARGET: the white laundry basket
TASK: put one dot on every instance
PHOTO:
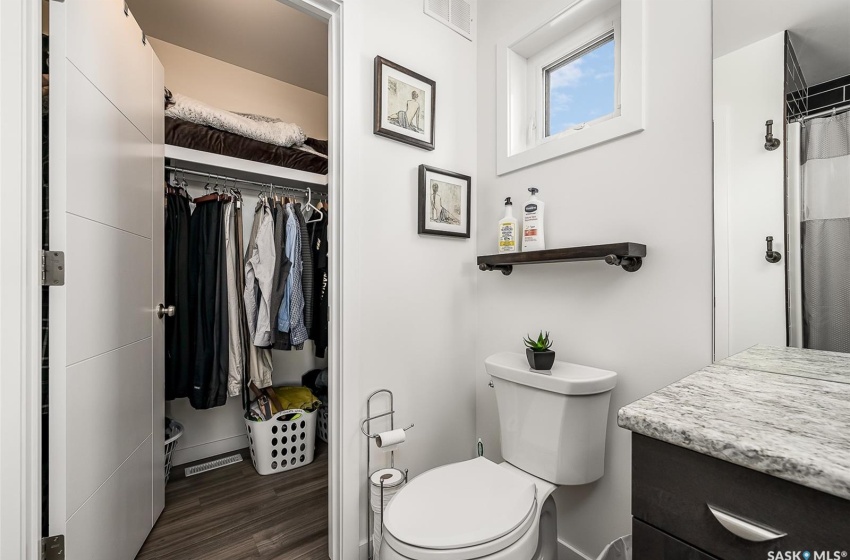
(322, 429)
(172, 433)
(280, 444)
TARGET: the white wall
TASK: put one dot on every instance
(234, 88)
(653, 326)
(411, 296)
(749, 87)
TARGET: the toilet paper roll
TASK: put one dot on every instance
(390, 440)
(393, 483)
(391, 477)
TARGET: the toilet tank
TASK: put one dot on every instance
(553, 425)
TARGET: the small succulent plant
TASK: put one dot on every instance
(542, 343)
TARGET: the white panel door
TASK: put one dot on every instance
(106, 456)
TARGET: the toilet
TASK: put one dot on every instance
(553, 429)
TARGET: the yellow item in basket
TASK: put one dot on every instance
(297, 397)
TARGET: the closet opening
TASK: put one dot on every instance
(234, 90)
(188, 151)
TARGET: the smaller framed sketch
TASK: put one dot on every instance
(444, 202)
(405, 104)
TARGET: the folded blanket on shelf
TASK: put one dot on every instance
(264, 129)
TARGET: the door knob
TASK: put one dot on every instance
(770, 255)
(162, 311)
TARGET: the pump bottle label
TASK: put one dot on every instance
(507, 238)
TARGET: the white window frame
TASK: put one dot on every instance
(574, 46)
(521, 83)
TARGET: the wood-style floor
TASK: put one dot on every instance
(234, 513)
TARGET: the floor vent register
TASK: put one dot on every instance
(212, 465)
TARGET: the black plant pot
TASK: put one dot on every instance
(540, 361)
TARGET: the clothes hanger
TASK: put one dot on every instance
(182, 185)
(321, 216)
(210, 196)
(225, 193)
(175, 187)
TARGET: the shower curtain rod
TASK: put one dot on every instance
(838, 109)
(251, 185)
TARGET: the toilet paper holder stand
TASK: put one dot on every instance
(366, 428)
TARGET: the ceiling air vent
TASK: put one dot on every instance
(456, 14)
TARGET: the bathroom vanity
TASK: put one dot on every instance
(747, 458)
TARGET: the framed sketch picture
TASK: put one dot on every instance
(404, 104)
(444, 202)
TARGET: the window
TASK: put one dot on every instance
(570, 83)
(581, 87)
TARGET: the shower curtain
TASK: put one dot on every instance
(825, 232)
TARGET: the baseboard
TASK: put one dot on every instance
(183, 455)
(567, 552)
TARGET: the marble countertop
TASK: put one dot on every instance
(781, 411)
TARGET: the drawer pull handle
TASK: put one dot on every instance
(744, 528)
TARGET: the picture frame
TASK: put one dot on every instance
(445, 201)
(404, 104)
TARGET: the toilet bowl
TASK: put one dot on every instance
(552, 430)
(469, 510)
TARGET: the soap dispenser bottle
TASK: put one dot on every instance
(507, 230)
(532, 223)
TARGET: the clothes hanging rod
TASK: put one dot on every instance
(837, 110)
(252, 185)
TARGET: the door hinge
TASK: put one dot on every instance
(52, 268)
(53, 548)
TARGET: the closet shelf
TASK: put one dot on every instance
(216, 164)
(627, 255)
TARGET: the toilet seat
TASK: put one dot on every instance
(461, 511)
(524, 537)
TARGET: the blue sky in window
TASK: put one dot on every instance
(583, 90)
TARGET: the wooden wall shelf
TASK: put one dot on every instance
(627, 255)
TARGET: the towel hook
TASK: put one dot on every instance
(770, 255)
(770, 143)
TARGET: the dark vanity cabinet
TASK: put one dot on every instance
(690, 506)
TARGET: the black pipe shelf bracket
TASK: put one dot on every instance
(629, 256)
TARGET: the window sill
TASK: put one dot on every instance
(556, 146)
